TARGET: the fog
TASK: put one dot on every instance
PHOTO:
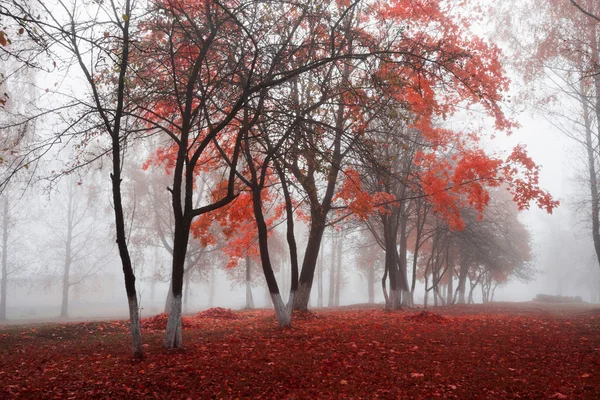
(58, 212)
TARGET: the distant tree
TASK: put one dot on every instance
(96, 42)
(369, 261)
(78, 235)
(556, 53)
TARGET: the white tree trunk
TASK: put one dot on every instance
(134, 327)
(283, 312)
(303, 295)
(169, 300)
(173, 338)
(249, 298)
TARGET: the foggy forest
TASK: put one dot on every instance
(299, 199)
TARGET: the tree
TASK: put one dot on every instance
(369, 260)
(425, 93)
(76, 226)
(98, 49)
(492, 248)
(561, 74)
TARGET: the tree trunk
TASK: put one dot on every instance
(420, 224)
(129, 275)
(462, 282)
(268, 301)
(471, 301)
(186, 292)
(402, 257)
(134, 315)
(282, 311)
(450, 291)
(320, 278)
(338, 273)
(211, 288)
(593, 178)
(440, 297)
(371, 283)
(493, 292)
(173, 337)
(169, 300)
(332, 271)
(249, 299)
(390, 231)
(309, 263)
(384, 287)
(4, 283)
(64, 310)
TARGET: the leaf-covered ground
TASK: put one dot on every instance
(506, 351)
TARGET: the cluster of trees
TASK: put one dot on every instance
(262, 113)
(557, 53)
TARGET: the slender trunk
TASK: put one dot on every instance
(64, 310)
(282, 311)
(473, 286)
(371, 283)
(173, 334)
(320, 279)
(390, 232)
(4, 283)
(211, 288)
(249, 299)
(128, 273)
(332, 271)
(338, 273)
(435, 280)
(462, 282)
(450, 291)
(291, 238)
(440, 297)
(420, 224)
(309, 263)
(384, 286)
(493, 292)
(402, 256)
(593, 177)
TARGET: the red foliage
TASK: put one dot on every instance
(218, 313)
(426, 317)
(159, 322)
(495, 351)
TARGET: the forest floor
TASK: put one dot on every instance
(503, 350)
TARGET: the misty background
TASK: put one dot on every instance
(69, 217)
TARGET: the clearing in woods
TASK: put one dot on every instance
(501, 350)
